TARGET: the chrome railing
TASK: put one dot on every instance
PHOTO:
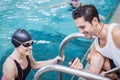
(112, 70)
(62, 45)
(68, 70)
(66, 40)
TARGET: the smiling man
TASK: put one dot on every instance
(105, 50)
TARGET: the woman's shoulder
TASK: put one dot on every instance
(9, 64)
(9, 69)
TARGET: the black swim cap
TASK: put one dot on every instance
(20, 36)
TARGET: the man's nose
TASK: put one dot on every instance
(81, 31)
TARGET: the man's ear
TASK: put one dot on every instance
(95, 21)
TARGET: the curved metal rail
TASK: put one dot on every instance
(65, 41)
(62, 45)
(68, 70)
(68, 38)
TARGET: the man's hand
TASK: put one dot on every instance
(76, 64)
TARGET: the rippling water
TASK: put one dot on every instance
(47, 26)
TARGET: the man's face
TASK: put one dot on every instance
(85, 27)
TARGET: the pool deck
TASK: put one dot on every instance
(116, 18)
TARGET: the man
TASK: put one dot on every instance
(105, 50)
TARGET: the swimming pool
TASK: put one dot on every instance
(47, 26)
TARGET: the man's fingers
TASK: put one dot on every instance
(70, 63)
(76, 64)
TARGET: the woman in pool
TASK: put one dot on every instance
(73, 3)
(18, 65)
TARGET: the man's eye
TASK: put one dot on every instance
(82, 27)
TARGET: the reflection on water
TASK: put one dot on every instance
(47, 26)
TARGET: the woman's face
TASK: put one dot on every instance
(26, 47)
(75, 4)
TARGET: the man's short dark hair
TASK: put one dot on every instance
(86, 11)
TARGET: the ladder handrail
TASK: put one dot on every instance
(68, 70)
(62, 45)
(112, 70)
(66, 39)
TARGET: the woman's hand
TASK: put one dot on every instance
(58, 58)
(76, 64)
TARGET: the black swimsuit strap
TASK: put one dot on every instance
(22, 74)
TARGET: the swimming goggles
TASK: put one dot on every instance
(75, 0)
(26, 44)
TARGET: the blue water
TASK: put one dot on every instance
(47, 26)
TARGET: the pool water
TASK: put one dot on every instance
(48, 28)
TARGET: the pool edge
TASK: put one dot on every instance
(116, 18)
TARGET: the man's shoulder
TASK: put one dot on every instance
(116, 28)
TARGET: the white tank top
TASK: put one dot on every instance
(110, 49)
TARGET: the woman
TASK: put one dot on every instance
(74, 4)
(18, 65)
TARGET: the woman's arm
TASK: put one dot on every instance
(59, 4)
(54, 5)
(39, 64)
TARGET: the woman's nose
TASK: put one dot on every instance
(30, 47)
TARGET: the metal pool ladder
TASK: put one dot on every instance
(62, 45)
(68, 70)
(60, 68)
